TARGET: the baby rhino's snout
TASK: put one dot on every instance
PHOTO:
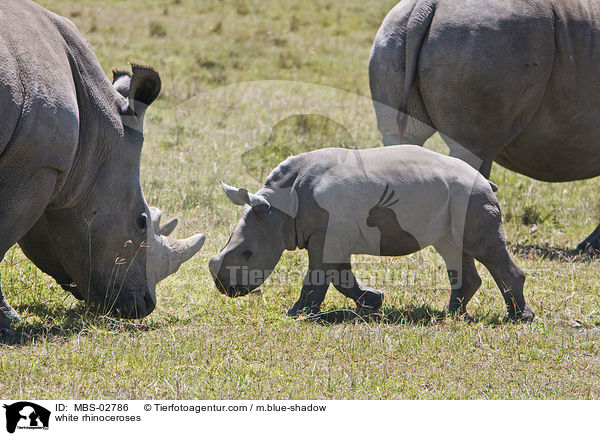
(223, 280)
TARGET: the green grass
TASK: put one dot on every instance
(200, 344)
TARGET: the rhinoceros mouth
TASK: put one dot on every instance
(232, 291)
(132, 305)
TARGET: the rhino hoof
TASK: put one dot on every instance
(526, 316)
(370, 301)
(295, 312)
(6, 333)
(460, 314)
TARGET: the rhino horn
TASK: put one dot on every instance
(181, 250)
(167, 228)
(166, 254)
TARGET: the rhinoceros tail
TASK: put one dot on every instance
(494, 186)
(418, 25)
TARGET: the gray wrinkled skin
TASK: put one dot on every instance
(70, 145)
(385, 201)
(515, 82)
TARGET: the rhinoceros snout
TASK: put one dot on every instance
(134, 305)
(223, 285)
(231, 290)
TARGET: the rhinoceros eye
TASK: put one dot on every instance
(142, 221)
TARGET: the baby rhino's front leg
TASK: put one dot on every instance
(317, 280)
(315, 283)
(312, 294)
(320, 274)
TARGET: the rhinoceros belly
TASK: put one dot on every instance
(562, 140)
(544, 158)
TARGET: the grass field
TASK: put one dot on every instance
(215, 109)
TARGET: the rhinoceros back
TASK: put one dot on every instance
(11, 92)
(38, 98)
(512, 81)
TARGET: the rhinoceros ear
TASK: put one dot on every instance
(234, 194)
(122, 81)
(143, 90)
(241, 196)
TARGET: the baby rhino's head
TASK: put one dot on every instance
(254, 247)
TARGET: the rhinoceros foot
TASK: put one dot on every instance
(299, 309)
(591, 244)
(370, 301)
(460, 314)
(7, 313)
(526, 316)
(6, 333)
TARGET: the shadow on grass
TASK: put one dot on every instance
(554, 253)
(57, 323)
(423, 315)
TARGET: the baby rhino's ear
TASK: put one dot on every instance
(241, 196)
(238, 198)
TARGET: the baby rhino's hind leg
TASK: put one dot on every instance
(485, 241)
(510, 279)
(463, 276)
(367, 299)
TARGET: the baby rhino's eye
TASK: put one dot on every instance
(247, 254)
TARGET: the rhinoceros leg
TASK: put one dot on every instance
(321, 274)
(415, 132)
(395, 126)
(484, 166)
(7, 316)
(316, 281)
(591, 243)
(463, 276)
(312, 294)
(21, 205)
(510, 279)
(485, 241)
(368, 300)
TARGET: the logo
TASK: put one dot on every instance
(26, 415)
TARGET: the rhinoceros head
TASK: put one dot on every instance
(109, 241)
(254, 247)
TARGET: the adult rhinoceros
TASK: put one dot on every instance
(516, 82)
(70, 145)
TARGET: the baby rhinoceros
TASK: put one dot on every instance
(388, 201)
